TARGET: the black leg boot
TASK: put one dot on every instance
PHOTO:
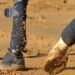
(13, 60)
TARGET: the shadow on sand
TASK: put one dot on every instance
(70, 54)
(1, 58)
(37, 55)
(31, 69)
(70, 68)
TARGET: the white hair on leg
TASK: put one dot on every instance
(59, 45)
(13, 51)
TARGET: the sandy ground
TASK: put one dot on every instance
(45, 21)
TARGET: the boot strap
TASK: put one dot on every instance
(11, 12)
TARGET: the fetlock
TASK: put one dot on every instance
(12, 59)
